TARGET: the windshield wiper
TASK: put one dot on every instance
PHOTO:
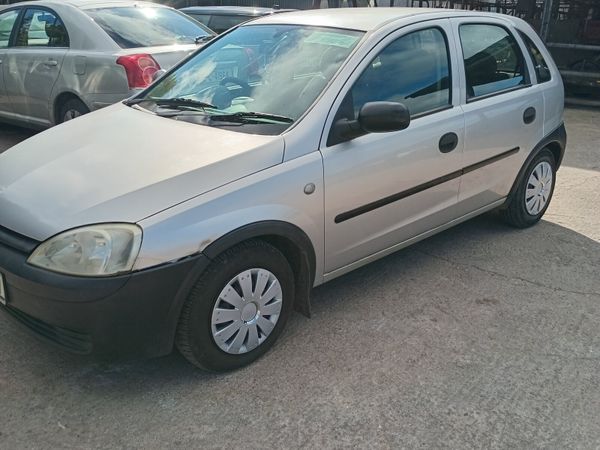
(176, 102)
(203, 39)
(251, 117)
(182, 102)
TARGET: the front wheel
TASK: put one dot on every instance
(237, 308)
(532, 197)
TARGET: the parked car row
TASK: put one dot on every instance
(62, 59)
(283, 154)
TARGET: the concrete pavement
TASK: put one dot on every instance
(480, 337)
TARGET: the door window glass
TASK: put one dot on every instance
(42, 28)
(413, 70)
(493, 60)
(541, 67)
(7, 22)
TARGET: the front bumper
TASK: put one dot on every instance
(124, 316)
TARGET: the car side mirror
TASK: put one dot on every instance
(374, 117)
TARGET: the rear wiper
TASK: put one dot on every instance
(251, 117)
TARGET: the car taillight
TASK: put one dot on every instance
(140, 69)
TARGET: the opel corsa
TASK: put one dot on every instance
(287, 152)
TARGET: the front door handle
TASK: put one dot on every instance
(448, 142)
(51, 63)
(529, 115)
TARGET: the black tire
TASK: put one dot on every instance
(515, 212)
(73, 105)
(194, 338)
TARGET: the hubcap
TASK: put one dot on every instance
(71, 114)
(246, 311)
(538, 189)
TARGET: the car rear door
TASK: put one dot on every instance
(383, 189)
(8, 19)
(503, 110)
(34, 63)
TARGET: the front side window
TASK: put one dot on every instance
(255, 79)
(541, 67)
(42, 28)
(413, 70)
(137, 26)
(7, 22)
(493, 60)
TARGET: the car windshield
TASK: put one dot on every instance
(256, 74)
(135, 26)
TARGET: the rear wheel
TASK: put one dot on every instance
(532, 197)
(237, 308)
(71, 109)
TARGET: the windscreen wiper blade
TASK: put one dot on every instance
(171, 102)
(182, 102)
(251, 117)
(203, 39)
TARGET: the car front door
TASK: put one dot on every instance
(33, 65)
(8, 19)
(503, 111)
(383, 189)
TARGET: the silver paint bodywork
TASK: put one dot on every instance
(87, 69)
(188, 185)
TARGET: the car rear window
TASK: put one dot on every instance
(221, 23)
(134, 27)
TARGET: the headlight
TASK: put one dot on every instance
(96, 250)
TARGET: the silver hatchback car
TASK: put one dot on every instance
(285, 153)
(60, 59)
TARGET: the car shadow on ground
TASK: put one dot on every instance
(429, 274)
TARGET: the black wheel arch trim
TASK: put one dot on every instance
(305, 271)
(558, 137)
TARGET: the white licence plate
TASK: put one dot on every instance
(2, 291)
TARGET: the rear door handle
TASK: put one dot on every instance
(51, 63)
(448, 142)
(529, 115)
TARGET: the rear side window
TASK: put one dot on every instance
(7, 22)
(134, 27)
(541, 67)
(41, 28)
(413, 70)
(222, 23)
(493, 60)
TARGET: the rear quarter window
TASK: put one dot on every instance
(541, 67)
(134, 27)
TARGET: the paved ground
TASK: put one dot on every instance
(481, 337)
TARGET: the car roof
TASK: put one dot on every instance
(232, 10)
(363, 19)
(87, 4)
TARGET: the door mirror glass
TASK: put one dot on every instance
(374, 117)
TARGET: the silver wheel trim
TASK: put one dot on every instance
(71, 114)
(539, 187)
(246, 311)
